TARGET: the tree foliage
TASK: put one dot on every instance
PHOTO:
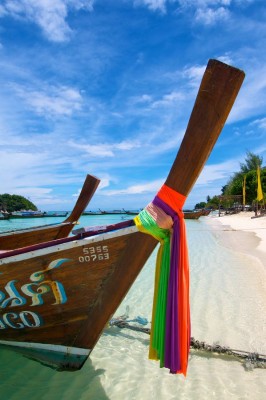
(200, 205)
(213, 203)
(234, 186)
(248, 169)
(252, 161)
(13, 202)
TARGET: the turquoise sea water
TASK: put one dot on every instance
(227, 306)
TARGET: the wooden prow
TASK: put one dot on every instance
(89, 187)
(218, 90)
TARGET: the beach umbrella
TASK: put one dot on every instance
(259, 190)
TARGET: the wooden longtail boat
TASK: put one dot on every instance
(205, 212)
(26, 237)
(56, 297)
(192, 214)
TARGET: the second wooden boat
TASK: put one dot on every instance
(25, 237)
(192, 214)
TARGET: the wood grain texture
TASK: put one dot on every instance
(218, 90)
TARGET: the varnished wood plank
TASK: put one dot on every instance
(218, 90)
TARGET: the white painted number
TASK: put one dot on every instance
(91, 254)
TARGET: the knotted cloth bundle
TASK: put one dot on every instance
(170, 328)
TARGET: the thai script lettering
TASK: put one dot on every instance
(39, 286)
(94, 253)
(24, 319)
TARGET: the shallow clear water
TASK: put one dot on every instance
(227, 306)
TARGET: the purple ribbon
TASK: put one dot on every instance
(172, 340)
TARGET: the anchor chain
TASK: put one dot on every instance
(251, 360)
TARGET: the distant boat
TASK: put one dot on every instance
(4, 215)
(192, 214)
(131, 212)
(58, 296)
(55, 214)
(104, 212)
(111, 212)
(92, 213)
(26, 214)
(29, 236)
(205, 212)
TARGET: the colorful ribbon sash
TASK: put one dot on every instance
(170, 328)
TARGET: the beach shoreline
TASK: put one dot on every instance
(244, 234)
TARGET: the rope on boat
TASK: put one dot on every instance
(249, 359)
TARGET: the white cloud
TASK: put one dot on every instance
(153, 5)
(147, 187)
(104, 183)
(142, 99)
(52, 100)
(204, 3)
(105, 149)
(252, 96)
(49, 15)
(210, 181)
(168, 99)
(217, 172)
(99, 150)
(194, 74)
(209, 16)
(226, 58)
(261, 123)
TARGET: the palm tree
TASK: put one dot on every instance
(252, 161)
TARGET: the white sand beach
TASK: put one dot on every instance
(251, 233)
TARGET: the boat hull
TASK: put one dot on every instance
(27, 237)
(65, 295)
(61, 358)
(192, 214)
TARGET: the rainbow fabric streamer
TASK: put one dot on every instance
(170, 328)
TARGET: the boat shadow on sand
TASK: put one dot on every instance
(21, 377)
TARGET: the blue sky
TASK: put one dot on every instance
(106, 87)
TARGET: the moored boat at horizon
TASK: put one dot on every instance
(131, 212)
(48, 214)
(27, 214)
(112, 212)
(92, 213)
(57, 296)
(193, 214)
(4, 215)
